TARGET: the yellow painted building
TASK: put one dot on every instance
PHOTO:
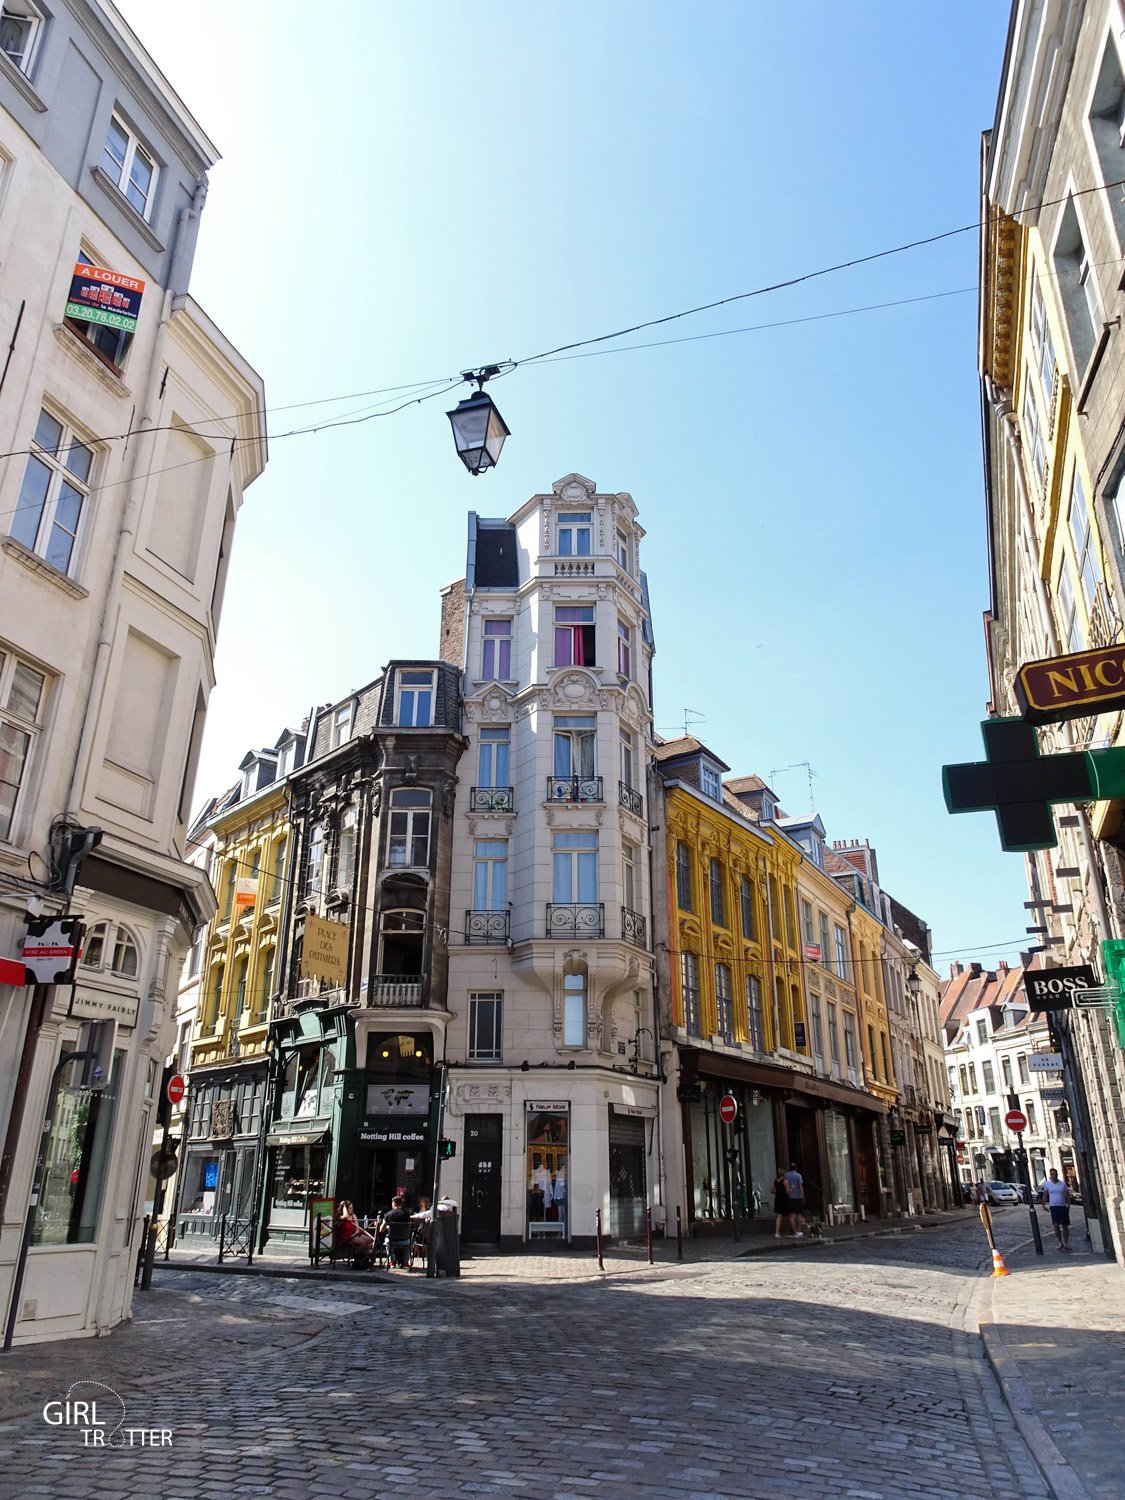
(229, 1062)
(733, 977)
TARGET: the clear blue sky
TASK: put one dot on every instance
(416, 189)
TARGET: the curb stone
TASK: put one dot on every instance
(1062, 1480)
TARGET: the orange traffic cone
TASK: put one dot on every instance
(998, 1266)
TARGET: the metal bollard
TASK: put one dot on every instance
(222, 1237)
(139, 1271)
(679, 1234)
(250, 1243)
(598, 1237)
(648, 1234)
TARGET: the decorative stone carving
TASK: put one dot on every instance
(573, 687)
(448, 793)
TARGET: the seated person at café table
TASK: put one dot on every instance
(348, 1233)
(398, 1227)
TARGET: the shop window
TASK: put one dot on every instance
(548, 1139)
(306, 1069)
(404, 1057)
(298, 1176)
(76, 1167)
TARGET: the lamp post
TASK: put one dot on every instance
(478, 428)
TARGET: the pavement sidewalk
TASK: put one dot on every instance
(560, 1263)
(1054, 1333)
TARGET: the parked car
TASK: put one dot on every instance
(1003, 1192)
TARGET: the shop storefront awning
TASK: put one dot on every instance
(765, 1076)
(297, 1138)
(310, 1133)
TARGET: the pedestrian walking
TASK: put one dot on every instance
(1056, 1195)
(780, 1201)
(795, 1187)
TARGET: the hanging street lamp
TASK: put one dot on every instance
(478, 428)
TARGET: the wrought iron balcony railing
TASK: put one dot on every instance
(634, 928)
(487, 926)
(492, 799)
(397, 991)
(582, 919)
(574, 788)
(631, 800)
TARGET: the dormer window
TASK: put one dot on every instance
(415, 700)
(286, 757)
(711, 782)
(621, 549)
(575, 531)
(341, 725)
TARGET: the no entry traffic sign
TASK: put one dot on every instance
(728, 1109)
(1016, 1120)
(176, 1087)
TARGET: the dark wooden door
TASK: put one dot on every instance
(483, 1180)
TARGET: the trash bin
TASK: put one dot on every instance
(445, 1243)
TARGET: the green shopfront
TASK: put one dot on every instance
(354, 1116)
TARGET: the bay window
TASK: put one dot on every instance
(574, 635)
(408, 839)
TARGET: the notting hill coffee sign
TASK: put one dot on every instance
(1072, 687)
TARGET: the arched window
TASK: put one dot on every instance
(106, 941)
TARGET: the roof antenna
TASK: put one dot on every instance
(692, 717)
(798, 765)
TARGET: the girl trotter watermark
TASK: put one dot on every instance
(100, 1418)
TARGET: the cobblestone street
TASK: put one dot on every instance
(850, 1370)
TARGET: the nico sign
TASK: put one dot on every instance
(100, 296)
(1072, 687)
(1057, 989)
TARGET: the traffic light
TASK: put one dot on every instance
(446, 1149)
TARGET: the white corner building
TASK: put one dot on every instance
(552, 1100)
(127, 451)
